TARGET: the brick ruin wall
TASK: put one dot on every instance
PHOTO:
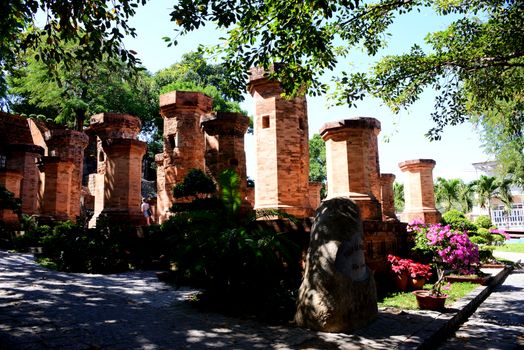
(194, 137)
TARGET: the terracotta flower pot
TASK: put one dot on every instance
(401, 281)
(426, 301)
(417, 282)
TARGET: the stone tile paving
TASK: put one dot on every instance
(43, 309)
(498, 323)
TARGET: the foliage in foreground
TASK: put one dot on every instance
(240, 265)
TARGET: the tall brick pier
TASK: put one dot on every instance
(119, 168)
(224, 136)
(282, 148)
(184, 144)
(419, 194)
(352, 163)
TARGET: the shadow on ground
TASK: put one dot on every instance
(44, 309)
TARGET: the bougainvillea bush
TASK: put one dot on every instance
(450, 248)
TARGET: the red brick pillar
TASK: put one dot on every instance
(184, 144)
(119, 174)
(419, 196)
(25, 158)
(69, 145)
(387, 197)
(56, 201)
(352, 161)
(282, 148)
(224, 135)
(314, 194)
(11, 180)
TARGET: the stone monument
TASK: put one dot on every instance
(338, 292)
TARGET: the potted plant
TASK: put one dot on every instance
(432, 299)
(419, 273)
(451, 250)
(400, 269)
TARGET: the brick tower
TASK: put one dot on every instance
(352, 163)
(387, 197)
(18, 153)
(63, 173)
(224, 135)
(184, 143)
(419, 195)
(119, 169)
(282, 148)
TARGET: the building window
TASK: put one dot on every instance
(265, 122)
(174, 141)
(3, 160)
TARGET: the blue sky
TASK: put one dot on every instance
(454, 154)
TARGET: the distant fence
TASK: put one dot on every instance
(514, 220)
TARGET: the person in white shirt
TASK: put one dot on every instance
(146, 210)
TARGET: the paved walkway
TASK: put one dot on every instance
(43, 309)
(498, 323)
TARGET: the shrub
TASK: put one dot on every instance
(458, 221)
(104, 249)
(235, 261)
(483, 221)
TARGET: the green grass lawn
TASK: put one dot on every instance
(514, 248)
(406, 300)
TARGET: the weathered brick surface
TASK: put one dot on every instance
(69, 146)
(387, 197)
(57, 190)
(282, 148)
(11, 180)
(314, 194)
(224, 135)
(119, 171)
(419, 195)
(352, 163)
(184, 142)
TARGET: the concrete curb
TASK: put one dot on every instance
(464, 309)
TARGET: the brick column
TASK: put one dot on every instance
(184, 144)
(69, 145)
(163, 197)
(314, 194)
(419, 196)
(56, 201)
(224, 135)
(25, 159)
(119, 173)
(11, 180)
(387, 197)
(352, 162)
(282, 148)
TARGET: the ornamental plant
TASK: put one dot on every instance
(419, 270)
(414, 269)
(450, 249)
(399, 265)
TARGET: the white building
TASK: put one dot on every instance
(512, 221)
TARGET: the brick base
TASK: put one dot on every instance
(426, 216)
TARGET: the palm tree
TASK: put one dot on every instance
(398, 196)
(488, 187)
(465, 197)
(504, 194)
(446, 192)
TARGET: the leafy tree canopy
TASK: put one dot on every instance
(78, 89)
(97, 25)
(475, 65)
